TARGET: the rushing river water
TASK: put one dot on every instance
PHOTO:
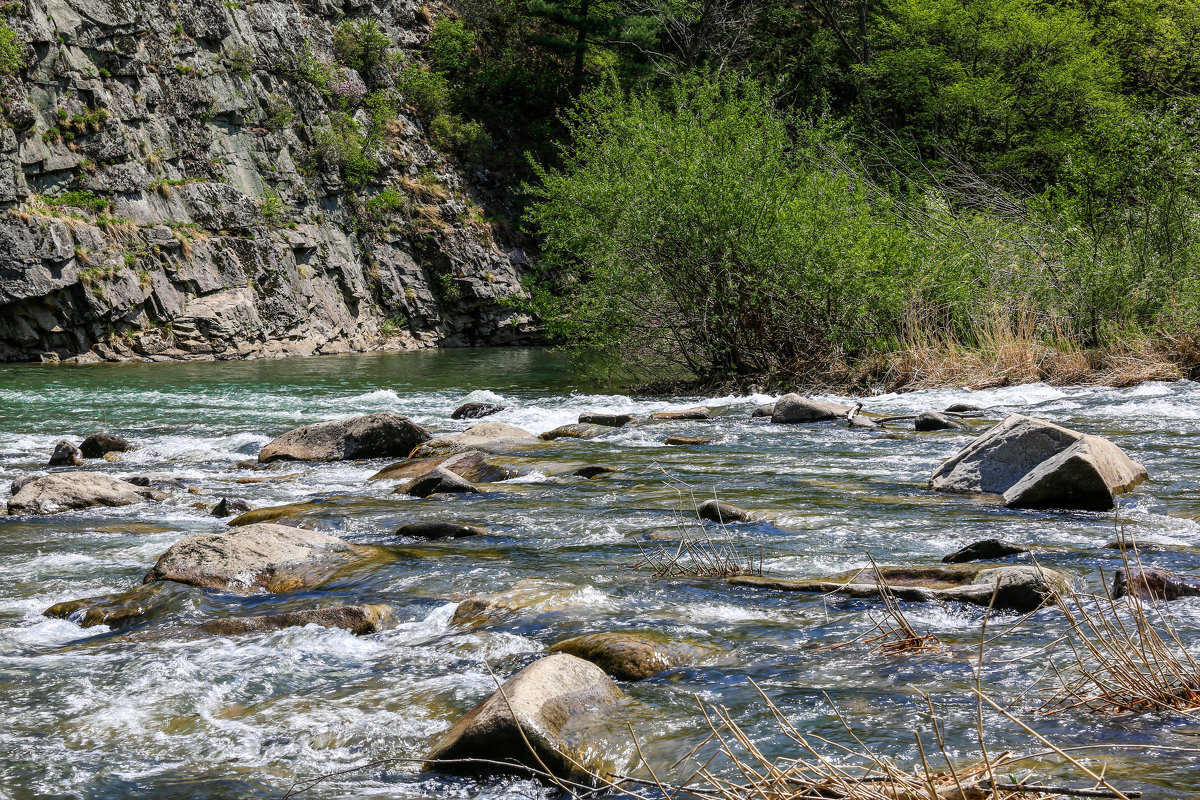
(159, 711)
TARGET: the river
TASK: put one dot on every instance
(159, 711)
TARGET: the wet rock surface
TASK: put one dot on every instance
(580, 430)
(258, 557)
(719, 511)
(119, 610)
(983, 550)
(600, 418)
(476, 410)
(98, 445)
(682, 414)
(359, 620)
(546, 704)
(229, 506)
(933, 421)
(1145, 583)
(438, 480)
(1015, 588)
(793, 408)
(630, 656)
(369, 436)
(472, 465)
(66, 491)
(66, 454)
(440, 530)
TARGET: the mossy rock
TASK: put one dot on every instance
(630, 656)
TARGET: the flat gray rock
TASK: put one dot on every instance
(794, 408)
(382, 435)
(66, 491)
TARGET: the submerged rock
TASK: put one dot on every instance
(438, 480)
(98, 445)
(66, 454)
(359, 620)
(581, 430)
(117, 610)
(1152, 584)
(473, 466)
(65, 491)
(262, 556)
(440, 530)
(476, 410)
(228, 506)
(700, 412)
(1037, 464)
(524, 595)
(594, 471)
(547, 704)
(763, 411)
(682, 441)
(629, 656)
(720, 511)
(984, 549)
(381, 435)
(271, 513)
(611, 420)
(866, 423)
(792, 408)
(1016, 588)
(933, 421)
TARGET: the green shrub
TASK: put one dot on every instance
(278, 113)
(451, 47)
(386, 202)
(271, 208)
(343, 146)
(80, 199)
(240, 60)
(12, 51)
(468, 140)
(360, 46)
(426, 91)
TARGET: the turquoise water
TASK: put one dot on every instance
(162, 711)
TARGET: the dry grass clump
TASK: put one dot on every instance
(893, 634)
(1125, 657)
(699, 556)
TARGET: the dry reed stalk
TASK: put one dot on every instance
(893, 633)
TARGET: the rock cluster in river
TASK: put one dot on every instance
(169, 199)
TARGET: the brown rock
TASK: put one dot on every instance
(699, 412)
(629, 656)
(473, 466)
(118, 610)
(686, 440)
(438, 480)
(611, 420)
(793, 408)
(594, 471)
(271, 513)
(66, 454)
(578, 431)
(1152, 584)
(228, 506)
(440, 530)
(718, 511)
(64, 491)
(476, 410)
(359, 620)
(99, 445)
(984, 549)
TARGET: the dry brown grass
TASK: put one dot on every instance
(892, 634)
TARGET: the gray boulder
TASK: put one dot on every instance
(763, 411)
(1037, 464)
(962, 408)
(438, 481)
(261, 556)
(612, 420)
(1016, 588)
(700, 412)
(381, 435)
(488, 437)
(359, 620)
(548, 704)
(98, 445)
(65, 491)
(66, 454)
(984, 549)
(792, 408)
(471, 465)
(933, 421)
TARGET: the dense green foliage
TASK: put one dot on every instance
(12, 51)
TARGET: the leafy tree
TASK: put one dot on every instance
(590, 23)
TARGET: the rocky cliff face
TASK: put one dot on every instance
(208, 180)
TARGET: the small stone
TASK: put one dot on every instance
(612, 420)
(984, 549)
(962, 408)
(359, 620)
(933, 421)
(686, 440)
(699, 412)
(719, 511)
(594, 471)
(440, 530)
(112, 457)
(577, 431)
(763, 411)
(865, 423)
(98, 445)
(436, 481)
(66, 454)
(1152, 584)
(476, 410)
(228, 506)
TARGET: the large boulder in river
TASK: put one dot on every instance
(630, 656)
(602, 418)
(359, 620)
(381, 435)
(579, 430)
(935, 421)
(98, 445)
(438, 480)
(65, 454)
(276, 558)
(792, 408)
(1020, 588)
(118, 610)
(65, 491)
(699, 412)
(719, 511)
(538, 719)
(472, 465)
(1037, 464)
